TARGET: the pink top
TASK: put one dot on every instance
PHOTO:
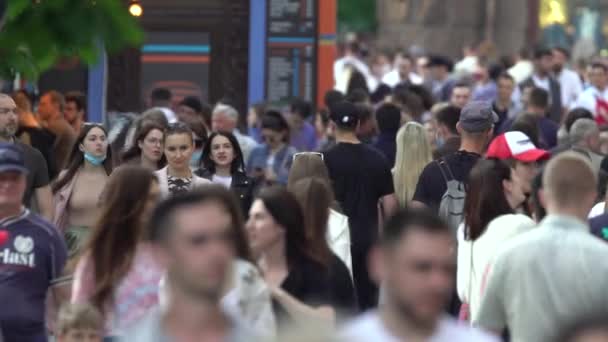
(134, 296)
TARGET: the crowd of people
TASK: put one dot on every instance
(422, 201)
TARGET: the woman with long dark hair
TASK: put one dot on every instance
(270, 162)
(117, 272)
(311, 165)
(298, 276)
(316, 197)
(492, 195)
(147, 149)
(223, 164)
(177, 176)
(77, 190)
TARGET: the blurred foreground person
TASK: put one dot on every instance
(194, 233)
(300, 278)
(415, 262)
(117, 272)
(589, 328)
(79, 323)
(552, 261)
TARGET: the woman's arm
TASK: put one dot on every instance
(301, 312)
(83, 283)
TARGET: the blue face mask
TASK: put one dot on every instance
(94, 160)
(439, 141)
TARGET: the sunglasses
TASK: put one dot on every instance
(318, 154)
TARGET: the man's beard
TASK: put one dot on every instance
(557, 68)
(8, 132)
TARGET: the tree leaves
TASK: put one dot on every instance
(38, 33)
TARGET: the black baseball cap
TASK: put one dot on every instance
(344, 114)
(11, 158)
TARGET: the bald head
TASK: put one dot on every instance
(569, 183)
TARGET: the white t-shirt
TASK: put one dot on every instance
(597, 210)
(223, 180)
(571, 86)
(542, 82)
(588, 99)
(474, 258)
(369, 327)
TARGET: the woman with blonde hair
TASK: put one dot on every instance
(413, 153)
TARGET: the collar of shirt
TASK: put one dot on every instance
(564, 222)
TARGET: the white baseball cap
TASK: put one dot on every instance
(516, 145)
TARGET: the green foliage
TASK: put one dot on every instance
(38, 33)
(357, 15)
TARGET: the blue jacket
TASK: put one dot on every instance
(282, 161)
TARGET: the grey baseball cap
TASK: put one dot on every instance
(477, 116)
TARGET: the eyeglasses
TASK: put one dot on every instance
(318, 154)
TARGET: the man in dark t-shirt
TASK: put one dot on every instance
(32, 256)
(361, 179)
(38, 183)
(476, 129)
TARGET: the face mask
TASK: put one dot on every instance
(195, 160)
(94, 160)
(439, 141)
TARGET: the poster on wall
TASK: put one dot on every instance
(291, 50)
(178, 61)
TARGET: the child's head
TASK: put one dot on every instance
(79, 323)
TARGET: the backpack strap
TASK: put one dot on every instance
(446, 172)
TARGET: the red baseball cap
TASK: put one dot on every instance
(516, 145)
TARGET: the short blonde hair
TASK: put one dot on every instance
(569, 180)
(78, 316)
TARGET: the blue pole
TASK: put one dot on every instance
(96, 90)
(257, 51)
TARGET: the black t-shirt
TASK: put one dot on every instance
(42, 140)
(431, 184)
(360, 176)
(315, 285)
(38, 175)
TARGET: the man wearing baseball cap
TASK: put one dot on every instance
(516, 149)
(475, 128)
(32, 255)
(442, 184)
(361, 177)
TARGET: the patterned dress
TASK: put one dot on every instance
(178, 185)
(134, 296)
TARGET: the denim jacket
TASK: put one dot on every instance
(282, 161)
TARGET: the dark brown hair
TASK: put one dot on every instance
(316, 198)
(77, 157)
(238, 164)
(485, 198)
(287, 212)
(116, 234)
(140, 134)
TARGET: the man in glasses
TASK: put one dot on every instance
(362, 181)
(195, 233)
